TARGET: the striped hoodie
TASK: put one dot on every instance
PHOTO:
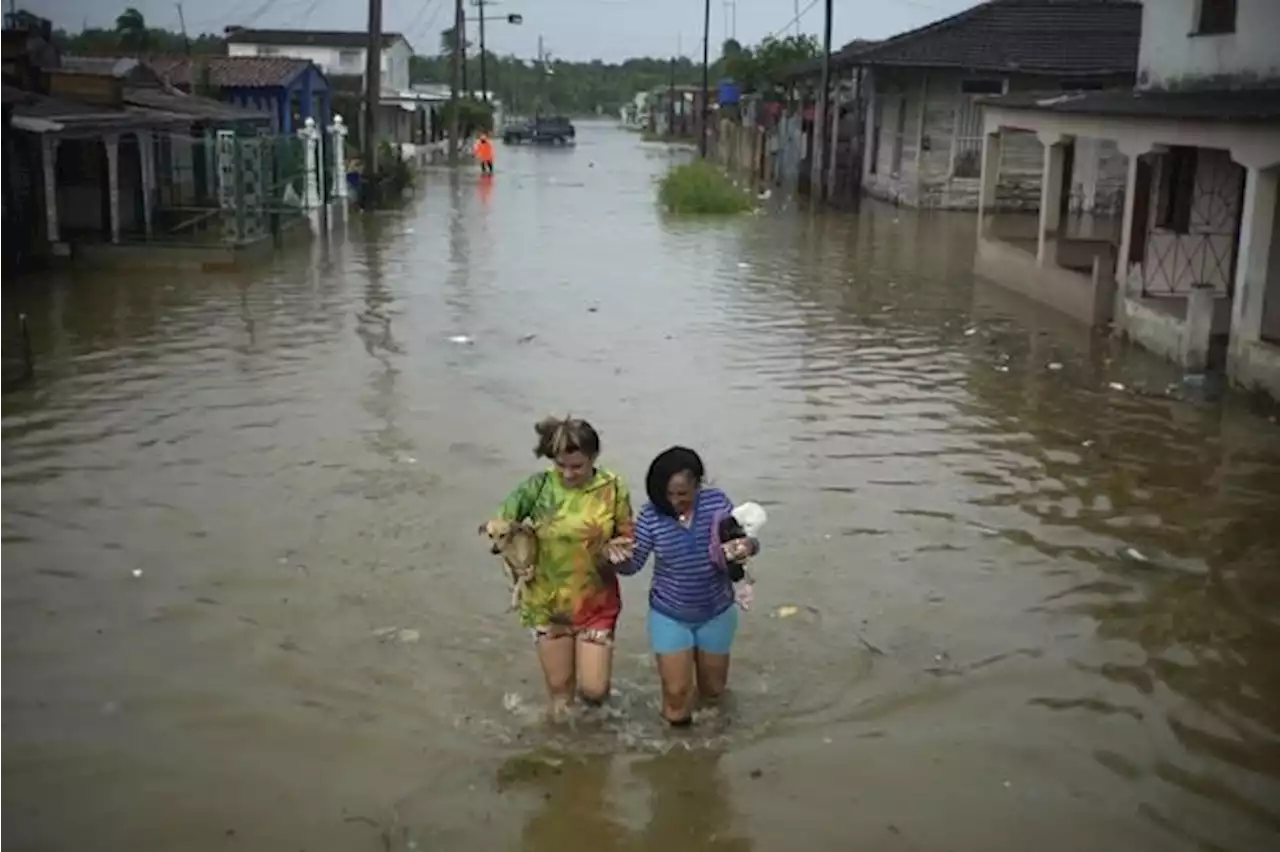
(687, 585)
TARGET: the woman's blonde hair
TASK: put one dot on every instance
(557, 436)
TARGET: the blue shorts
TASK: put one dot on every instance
(715, 635)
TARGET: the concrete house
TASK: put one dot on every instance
(336, 53)
(923, 126)
(341, 55)
(1191, 269)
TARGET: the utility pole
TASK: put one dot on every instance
(372, 95)
(455, 118)
(542, 81)
(484, 74)
(706, 83)
(462, 46)
(817, 179)
(182, 23)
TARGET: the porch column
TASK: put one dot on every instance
(990, 181)
(113, 183)
(49, 150)
(1050, 194)
(339, 132)
(310, 137)
(147, 159)
(1126, 223)
(1254, 253)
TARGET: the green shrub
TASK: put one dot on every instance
(700, 187)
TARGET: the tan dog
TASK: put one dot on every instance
(517, 544)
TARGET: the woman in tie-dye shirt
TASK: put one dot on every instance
(582, 514)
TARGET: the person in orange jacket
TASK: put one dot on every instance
(484, 153)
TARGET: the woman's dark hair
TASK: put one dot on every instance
(557, 436)
(666, 465)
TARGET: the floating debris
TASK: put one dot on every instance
(461, 339)
(1054, 365)
(1134, 554)
(786, 611)
(137, 572)
(1116, 386)
(970, 332)
(403, 635)
(528, 338)
(742, 264)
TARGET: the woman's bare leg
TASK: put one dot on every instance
(676, 673)
(713, 675)
(556, 654)
(595, 666)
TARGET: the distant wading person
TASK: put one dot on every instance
(582, 513)
(484, 154)
(693, 615)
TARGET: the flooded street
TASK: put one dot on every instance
(1037, 593)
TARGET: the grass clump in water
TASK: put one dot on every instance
(700, 187)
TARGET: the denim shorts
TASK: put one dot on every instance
(715, 635)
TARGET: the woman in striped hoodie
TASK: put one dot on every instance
(692, 611)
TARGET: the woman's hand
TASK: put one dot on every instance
(737, 550)
(619, 550)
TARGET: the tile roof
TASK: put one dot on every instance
(1242, 106)
(349, 39)
(198, 108)
(1058, 37)
(248, 72)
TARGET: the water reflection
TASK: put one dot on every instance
(682, 801)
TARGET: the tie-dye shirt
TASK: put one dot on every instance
(573, 524)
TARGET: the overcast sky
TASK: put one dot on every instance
(573, 29)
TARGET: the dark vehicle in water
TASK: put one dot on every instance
(545, 130)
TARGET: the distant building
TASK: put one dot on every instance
(336, 53)
(341, 54)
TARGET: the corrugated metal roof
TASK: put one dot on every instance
(200, 109)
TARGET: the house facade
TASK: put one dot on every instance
(340, 55)
(922, 140)
(1192, 270)
(336, 53)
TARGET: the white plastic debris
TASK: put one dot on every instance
(1116, 386)
(461, 339)
(1135, 554)
(970, 332)
(1055, 366)
(744, 265)
(137, 572)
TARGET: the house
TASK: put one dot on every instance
(1192, 270)
(337, 53)
(289, 90)
(341, 55)
(922, 136)
(674, 110)
(182, 161)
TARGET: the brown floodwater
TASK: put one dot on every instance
(1021, 585)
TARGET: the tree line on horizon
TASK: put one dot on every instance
(573, 87)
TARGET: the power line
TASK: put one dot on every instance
(795, 20)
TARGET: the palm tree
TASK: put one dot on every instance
(131, 29)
